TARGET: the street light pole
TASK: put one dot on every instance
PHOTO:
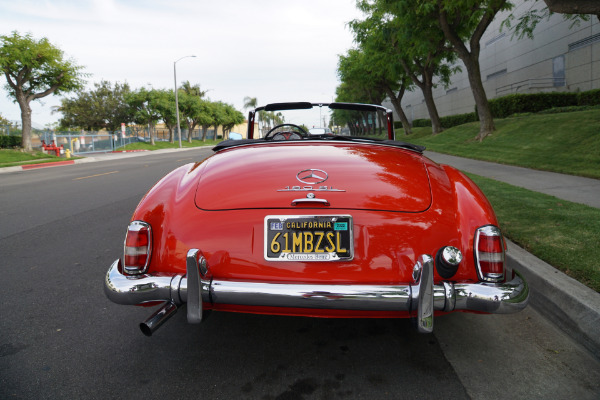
(177, 98)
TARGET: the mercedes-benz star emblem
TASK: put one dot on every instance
(312, 176)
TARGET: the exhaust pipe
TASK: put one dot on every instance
(150, 325)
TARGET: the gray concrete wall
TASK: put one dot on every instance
(512, 65)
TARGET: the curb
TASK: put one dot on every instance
(568, 304)
(50, 164)
(114, 154)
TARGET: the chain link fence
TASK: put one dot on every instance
(82, 142)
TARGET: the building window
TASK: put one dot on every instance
(584, 42)
(558, 71)
(495, 39)
(497, 73)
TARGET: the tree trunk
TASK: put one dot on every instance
(151, 134)
(486, 120)
(204, 131)
(190, 133)
(470, 57)
(426, 86)
(396, 102)
(25, 123)
(436, 125)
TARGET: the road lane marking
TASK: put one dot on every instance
(93, 176)
(183, 159)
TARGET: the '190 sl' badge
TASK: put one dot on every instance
(311, 179)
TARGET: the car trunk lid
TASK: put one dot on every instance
(334, 175)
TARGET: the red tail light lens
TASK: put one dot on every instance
(489, 254)
(138, 244)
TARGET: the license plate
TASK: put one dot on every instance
(308, 238)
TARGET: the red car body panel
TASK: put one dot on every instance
(444, 209)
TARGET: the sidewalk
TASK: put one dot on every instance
(570, 305)
(567, 187)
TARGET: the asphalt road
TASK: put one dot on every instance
(61, 338)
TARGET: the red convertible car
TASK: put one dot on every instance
(344, 224)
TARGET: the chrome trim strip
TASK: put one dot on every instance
(139, 289)
(343, 297)
(500, 298)
(324, 202)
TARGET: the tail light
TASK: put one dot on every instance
(489, 254)
(138, 245)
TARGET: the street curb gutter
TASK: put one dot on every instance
(568, 304)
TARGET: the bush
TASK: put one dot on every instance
(505, 106)
(458, 119)
(589, 98)
(448, 121)
(421, 123)
(8, 142)
(523, 104)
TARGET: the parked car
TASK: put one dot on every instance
(320, 131)
(321, 226)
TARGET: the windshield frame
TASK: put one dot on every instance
(332, 106)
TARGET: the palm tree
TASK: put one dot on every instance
(193, 90)
(250, 102)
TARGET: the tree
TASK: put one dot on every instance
(102, 108)
(419, 43)
(164, 104)
(144, 105)
(193, 90)
(573, 10)
(233, 117)
(35, 69)
(463, 23)
(196, 112)
(250, 102)
(375, 69)
(574, 6)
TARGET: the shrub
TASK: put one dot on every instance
(505, 106)
(421, 123)
(448, 121)
(458, 119)
(8, 142)
(589, 98)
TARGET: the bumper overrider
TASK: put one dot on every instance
(421, 298)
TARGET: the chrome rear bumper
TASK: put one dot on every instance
(421, 297)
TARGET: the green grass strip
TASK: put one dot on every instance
(564, 234)
(167, 145)
(566, 142)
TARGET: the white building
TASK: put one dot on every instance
(558, 58)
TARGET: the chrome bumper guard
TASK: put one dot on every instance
(422, 297)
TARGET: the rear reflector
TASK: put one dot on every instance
(489, 253)
(138, 244)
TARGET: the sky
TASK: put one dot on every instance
(274, 50)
